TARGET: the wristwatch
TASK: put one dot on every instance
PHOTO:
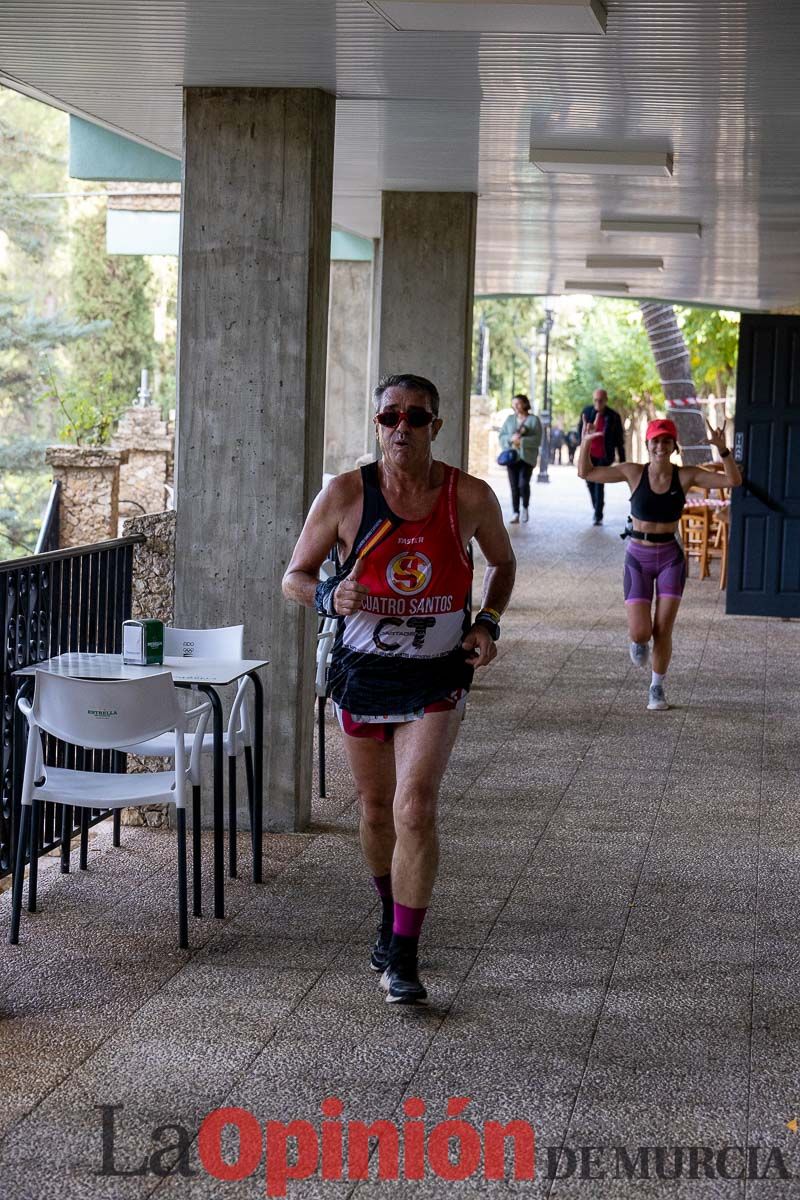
(486, 618)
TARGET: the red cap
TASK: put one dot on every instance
(661, 427)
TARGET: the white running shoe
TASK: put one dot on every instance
(640, 653)
(524, 516)
(656, 700)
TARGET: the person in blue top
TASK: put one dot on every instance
(522, 433)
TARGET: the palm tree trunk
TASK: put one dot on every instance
(675, 372)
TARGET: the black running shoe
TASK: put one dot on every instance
(401, 980)
(379, 959)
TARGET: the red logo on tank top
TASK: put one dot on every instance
(409, 573)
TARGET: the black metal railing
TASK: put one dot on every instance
(48, 538)
(54, 603)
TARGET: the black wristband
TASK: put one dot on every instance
(725, 453)
(485, 619)
(323, 597)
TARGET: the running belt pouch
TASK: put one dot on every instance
(506, 457)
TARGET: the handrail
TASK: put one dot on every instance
(73, 599)
(50, 516)
(34, 560)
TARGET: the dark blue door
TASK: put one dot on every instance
(764, 566)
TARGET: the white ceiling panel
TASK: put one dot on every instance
(714, 83)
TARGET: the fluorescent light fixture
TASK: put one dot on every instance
(493, 16)
(623, 262)
(601, 162)
(596, 285)
(632, 225)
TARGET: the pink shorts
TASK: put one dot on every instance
(381, 729)
(648, 566)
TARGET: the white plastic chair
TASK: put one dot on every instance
(326, 636)
(226, 642)
(99, 716)
(325, 640)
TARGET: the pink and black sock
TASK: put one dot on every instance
(406, 929)
(383, 886)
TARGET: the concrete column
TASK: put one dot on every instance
(89, 494)
(348, 365)
(422, 312)
(255, 262)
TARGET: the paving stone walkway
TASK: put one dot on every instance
(612, 953)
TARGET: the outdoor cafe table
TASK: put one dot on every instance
(698, 500)
(206, 675)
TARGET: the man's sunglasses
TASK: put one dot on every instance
(417, 418)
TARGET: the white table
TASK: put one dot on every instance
(206, 675)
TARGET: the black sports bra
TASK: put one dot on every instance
(658, 507)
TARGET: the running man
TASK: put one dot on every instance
(405, 650)
(655, 559)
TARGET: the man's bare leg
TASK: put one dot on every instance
(372, 765)
(422, 750)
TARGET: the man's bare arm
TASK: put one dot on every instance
(495, 544)
(320, 533)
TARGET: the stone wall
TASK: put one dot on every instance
(89, 493)
(153, 588)
(482, 439)
(153, 566)
(145, 437)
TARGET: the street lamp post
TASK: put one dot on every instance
(546, 415)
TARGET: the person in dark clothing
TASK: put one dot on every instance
(572, 440)
(608, 442)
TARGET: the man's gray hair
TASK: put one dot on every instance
(409, 383)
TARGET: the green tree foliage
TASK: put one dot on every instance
(512, 322)
(24, 488)
(165, 280)
(610, 350)
(712, 336)
(89, 418)
(57, 381)
(32, 163)
(25, 336)
(115, 288)
(32, 320)
(597, 341)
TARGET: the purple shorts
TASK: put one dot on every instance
(654, 563)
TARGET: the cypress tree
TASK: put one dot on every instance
(117, 289)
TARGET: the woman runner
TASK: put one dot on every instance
(654, 558)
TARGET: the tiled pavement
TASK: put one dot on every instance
(612, 951)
